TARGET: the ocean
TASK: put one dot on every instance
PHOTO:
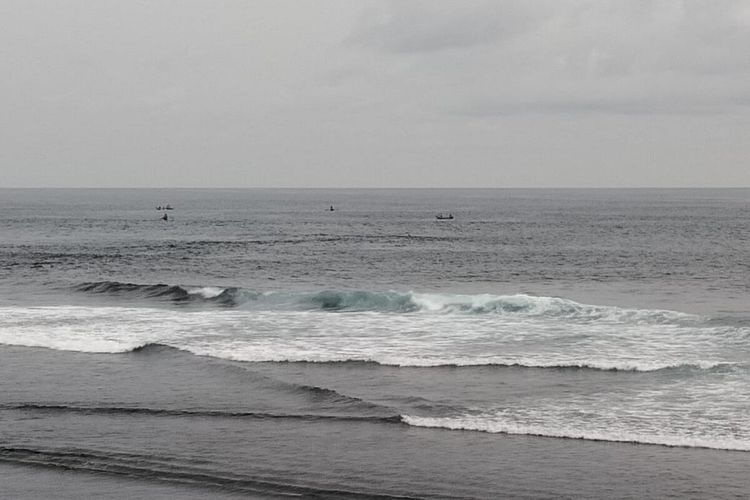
(566, 343)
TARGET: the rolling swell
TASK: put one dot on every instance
(325, 395)
(152, 348)
(167, 470)
(164, 412)
(315, 394)
(116, 288)
(174, 293)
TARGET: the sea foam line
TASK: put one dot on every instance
(398, 340)
(494, 427)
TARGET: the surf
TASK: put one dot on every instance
(379, 302)
(438, 330)
(578, 433)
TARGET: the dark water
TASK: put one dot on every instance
(259, 344)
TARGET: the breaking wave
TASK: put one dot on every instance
(387, 328)
(383, 302)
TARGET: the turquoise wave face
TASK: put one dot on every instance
(379, 302)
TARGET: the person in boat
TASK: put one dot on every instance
(165, 217)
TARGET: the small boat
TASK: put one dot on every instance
(444, 217)
(168, 207)
(331, 209)
(165, 217)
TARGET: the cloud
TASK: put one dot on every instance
(578, 106)
(582, 35)
(398, 93)
(566, 56)
(413, 26)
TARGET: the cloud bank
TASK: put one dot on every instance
(382, 93)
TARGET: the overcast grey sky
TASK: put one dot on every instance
(526, 93)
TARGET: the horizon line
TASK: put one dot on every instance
(478, 188)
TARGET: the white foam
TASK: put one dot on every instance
(528, 305)
(83, 329)
(207, 292)
(583, 432)
(393, 339)
(421, 340)
(486, 303)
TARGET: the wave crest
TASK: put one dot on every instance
(173, 293)
(385, 302)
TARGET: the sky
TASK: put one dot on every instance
(402, 93)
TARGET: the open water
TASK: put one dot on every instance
(258, 343)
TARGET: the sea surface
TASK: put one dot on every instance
(540, 344)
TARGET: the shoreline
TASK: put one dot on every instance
(293, 456)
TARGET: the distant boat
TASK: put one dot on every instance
(444, 217)
(331, 209)
(165, 217)
(168, 207)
